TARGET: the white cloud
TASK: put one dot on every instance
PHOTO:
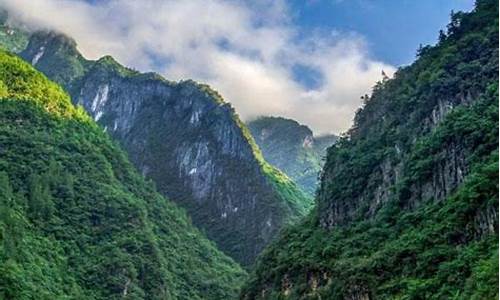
(246, 50)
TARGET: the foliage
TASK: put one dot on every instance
(76, 220)
(21, 81)
(12, 39)
(235, 197)
(292, 148)
(411, 246)
(237, 183)
(288, 191)
(428, 253)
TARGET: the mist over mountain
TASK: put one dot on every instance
(120, 184)
(408, 200)
(184, 137)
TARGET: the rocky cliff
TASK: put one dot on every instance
(397, 129)
(292, 148)
(184, 137)
(408, 201)
(77, 221)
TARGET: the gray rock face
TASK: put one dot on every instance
(189, 142)
(485, 222)
(444, 177)
(357, 293)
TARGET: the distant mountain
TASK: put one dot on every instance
(77, 221)
(12, 38)
(292, 148)
(184, 137)
(408, 202)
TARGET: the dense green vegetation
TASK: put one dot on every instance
(170, 129)
(429, 253)
(435, 234)
(291, 197)
(13, 39)
(76, 220)
(292, 148)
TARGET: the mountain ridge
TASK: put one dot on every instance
(292, 148)
(186, 138)
(408, 201)
(77, 221)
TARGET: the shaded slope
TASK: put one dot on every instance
(408, 204)
(76, 220)
(186, 139)
(292, 148)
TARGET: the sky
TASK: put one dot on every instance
(306, 60)
(393, 28)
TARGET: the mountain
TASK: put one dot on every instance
(408, 202)
(184, 137)
(12, 38)
(292, 148)
(77, 221)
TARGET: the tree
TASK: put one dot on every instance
(40, 204)
(10, 228)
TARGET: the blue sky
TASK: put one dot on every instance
(307, 60)
(393, 28)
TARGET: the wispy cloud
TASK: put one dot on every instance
(246, 50)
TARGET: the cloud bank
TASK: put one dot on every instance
(251, 52)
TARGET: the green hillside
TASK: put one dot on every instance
(76, 220)
(186, 139)
(13, 39)
(292, 148)
(408, 203)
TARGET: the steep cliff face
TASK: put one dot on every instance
(292, 148)
(394, 132)
(76, 219)
(186, 139)
(408, 202)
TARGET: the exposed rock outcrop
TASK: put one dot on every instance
(186, 139)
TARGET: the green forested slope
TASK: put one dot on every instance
(292, 148)
(408, 203)
(76, 220)
(12, 38)
(181, 135)
(186, 139)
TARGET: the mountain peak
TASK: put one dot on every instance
(408, 200)
(187, 139)
(77, 220)
(292, 148)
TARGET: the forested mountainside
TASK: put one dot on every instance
(408, 202)
(186, 139)
(12, 38)
(292, 148)
(77, 221)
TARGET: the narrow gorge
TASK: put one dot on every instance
(122, 184)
